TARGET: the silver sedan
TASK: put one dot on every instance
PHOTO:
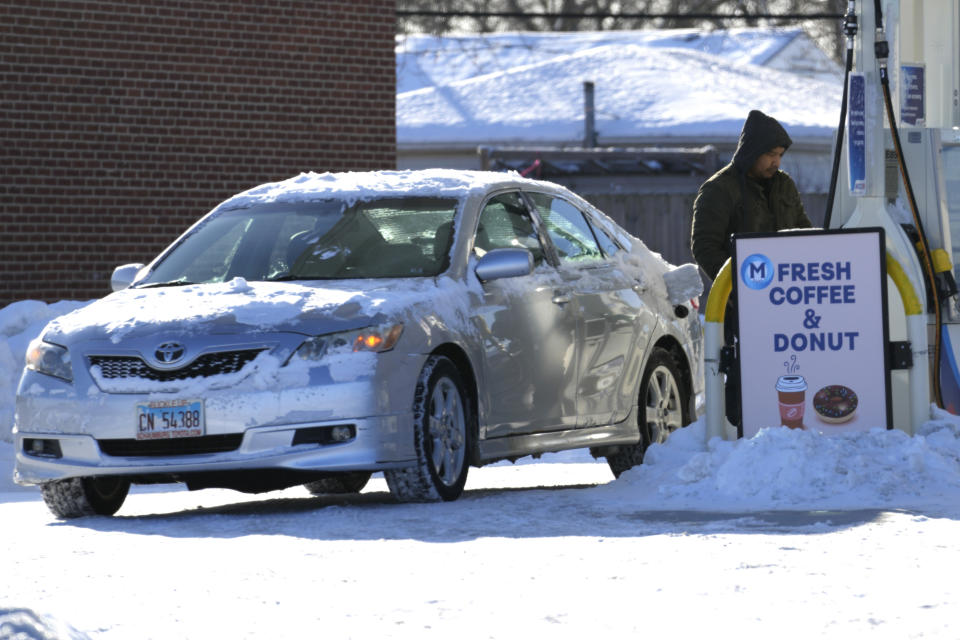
(320, 329)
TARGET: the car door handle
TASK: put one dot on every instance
(560, 298)
(639, 288)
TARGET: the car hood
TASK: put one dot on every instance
(239, 307)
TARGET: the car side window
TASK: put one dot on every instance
(567, 228)
(506, 223)
(610, 248)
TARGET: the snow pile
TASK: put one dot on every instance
(783, 468)
(683, 283)
(20, 323)
(24, 624)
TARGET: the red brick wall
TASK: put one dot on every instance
(123, 122)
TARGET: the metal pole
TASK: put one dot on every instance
(589, 123)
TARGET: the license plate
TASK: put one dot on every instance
(170, 419)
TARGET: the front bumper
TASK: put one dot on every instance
(62, 431)
(379, 443)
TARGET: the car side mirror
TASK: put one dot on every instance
(504, 263)
(124, 275)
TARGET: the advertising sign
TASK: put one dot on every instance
(912, 109)
(812, 330)
(857, 134)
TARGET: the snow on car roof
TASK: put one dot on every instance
(267, 304)
(364, 185)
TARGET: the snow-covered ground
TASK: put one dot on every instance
(789, 533)
(542, 557)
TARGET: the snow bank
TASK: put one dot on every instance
(20, 323)
(25, 624)
(783, 468)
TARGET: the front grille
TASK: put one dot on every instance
(210, 364)
(172, 446)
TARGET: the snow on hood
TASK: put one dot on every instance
(239, 305)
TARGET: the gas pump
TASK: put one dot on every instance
(896, 167)
(908, 56)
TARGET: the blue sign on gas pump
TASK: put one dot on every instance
(857, 134)
(912, 108)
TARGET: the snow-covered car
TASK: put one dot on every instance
(320, 329)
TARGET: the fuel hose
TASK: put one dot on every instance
(850, 29)
(881, 52)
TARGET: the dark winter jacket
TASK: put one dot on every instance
(731, 202)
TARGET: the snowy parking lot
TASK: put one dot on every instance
(788, 534)
(854, 537)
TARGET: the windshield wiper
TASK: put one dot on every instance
(182, 282)
(288, 277)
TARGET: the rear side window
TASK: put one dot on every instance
(610, 248)
(505, 223)
(568, 229)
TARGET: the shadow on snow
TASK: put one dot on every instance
(538, 512)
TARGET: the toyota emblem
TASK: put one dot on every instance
(169, 352)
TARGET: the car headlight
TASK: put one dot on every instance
(50, 359)
(371, 339)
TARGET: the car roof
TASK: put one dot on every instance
(365, 185)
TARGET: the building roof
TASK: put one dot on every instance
(650, 86)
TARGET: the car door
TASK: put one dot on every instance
(614, 324)
(528, 330)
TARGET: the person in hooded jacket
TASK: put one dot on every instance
(751, 194)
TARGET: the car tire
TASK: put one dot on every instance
(350, 482)
(442, 437)
(78, 497)
(663, 408)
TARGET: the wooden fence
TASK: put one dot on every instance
(662, 220)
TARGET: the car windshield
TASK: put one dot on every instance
(398, 237)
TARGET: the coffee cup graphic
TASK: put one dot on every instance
(791, 391)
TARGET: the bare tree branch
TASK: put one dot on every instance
(576, 15)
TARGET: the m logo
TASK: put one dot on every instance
(756, 271)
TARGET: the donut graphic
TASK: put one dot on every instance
(835, 403)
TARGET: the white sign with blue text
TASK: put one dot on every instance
(812, 327)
